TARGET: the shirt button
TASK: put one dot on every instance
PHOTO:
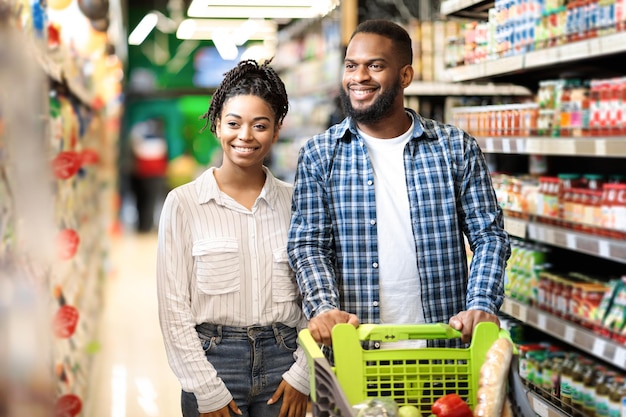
(372, 222)
(375, 264)
(370, 182)
(375, 303)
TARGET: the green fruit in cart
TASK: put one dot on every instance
(377, 407)
(408, 411)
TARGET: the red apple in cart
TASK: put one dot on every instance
(68, 405)
(66, 164)
(67, 243)
(65, 321)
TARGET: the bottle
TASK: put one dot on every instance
(578, 384)
(617, 392)
(566, 381)
(589, 388)
(603, 389)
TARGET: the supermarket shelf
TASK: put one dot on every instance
(427, 88)
(516, 227)
(575, 51)
(466, 8)
(602, 247)
(608, 147)
(585, 340)
(542, 407)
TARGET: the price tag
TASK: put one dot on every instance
(604, 248)
(598, 347)
(540, 408)
(519, 145)
(570, 333)
(571, 241)
(523, 312)
(506, 145)
(541, 321)
(489, 144)
(620, 357)
(600, 147)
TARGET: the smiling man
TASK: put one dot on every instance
(383, 202)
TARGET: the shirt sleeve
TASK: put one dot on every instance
(310, 243)
(484, 228)
(174, 285)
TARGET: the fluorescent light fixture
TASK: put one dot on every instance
(143, 29)
(240, 30)
(205, 8)
(225, 45)
(287, 3)
(153, 19)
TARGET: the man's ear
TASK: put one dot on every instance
(406, 74)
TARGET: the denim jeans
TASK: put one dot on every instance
(250, 361)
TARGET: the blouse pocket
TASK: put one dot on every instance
(217, 266)
(284, 286)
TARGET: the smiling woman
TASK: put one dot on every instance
(222, 262)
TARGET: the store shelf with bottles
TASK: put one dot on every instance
(583, 338)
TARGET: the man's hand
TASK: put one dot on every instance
(294, 402)
(321, 325)
(223, 412)
(465, 321)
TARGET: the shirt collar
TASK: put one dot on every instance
(207, 189)
(350, 124)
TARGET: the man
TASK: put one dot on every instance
(382, 202)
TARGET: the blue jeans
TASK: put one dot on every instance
(250, 361)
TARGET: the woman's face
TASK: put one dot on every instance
(246, 130)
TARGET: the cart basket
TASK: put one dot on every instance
(410, 376)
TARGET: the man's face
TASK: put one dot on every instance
(372, 78)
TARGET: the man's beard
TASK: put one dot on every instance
(381, 107)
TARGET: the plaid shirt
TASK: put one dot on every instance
(333, 235)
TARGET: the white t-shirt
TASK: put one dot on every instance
(400, 292)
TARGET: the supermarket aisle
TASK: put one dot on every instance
(131, 377)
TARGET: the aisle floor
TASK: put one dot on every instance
(130, 376)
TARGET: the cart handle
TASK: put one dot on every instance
(395, 332)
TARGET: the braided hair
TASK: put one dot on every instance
(249, 78)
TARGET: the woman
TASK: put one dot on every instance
(229, 306)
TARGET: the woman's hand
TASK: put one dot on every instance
(294, 402)
(223, 412)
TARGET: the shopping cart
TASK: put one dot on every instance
(410, 376)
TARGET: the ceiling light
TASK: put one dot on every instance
(151, 20)
(225, 45)
(239, 30)
(204, 8)
(143, 29)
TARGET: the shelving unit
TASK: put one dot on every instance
(614, 147)
(602, 46)
(587, 57)
(602, 247)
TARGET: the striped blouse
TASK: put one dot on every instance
(220, 263)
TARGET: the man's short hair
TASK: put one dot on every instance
(390, 30)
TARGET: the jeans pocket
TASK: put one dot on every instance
(288, 339)
(208, 343)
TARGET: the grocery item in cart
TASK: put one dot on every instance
(409, 376)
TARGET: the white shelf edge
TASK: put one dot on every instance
(581, 50)
(579, 337)
(597, 147)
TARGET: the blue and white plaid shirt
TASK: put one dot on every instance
(333, 235)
